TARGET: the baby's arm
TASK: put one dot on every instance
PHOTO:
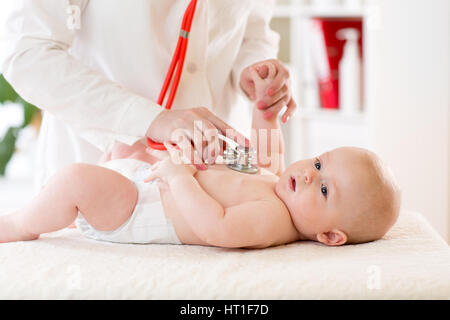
(253, 223)
(267, 136)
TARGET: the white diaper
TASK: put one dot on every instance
(148, 223)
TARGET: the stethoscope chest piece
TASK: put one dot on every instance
(241, 159)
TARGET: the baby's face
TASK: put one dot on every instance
(321, 192)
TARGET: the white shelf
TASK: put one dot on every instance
(290, 11)
(331, 115)
(332, 13)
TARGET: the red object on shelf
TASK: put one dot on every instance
(329, 86)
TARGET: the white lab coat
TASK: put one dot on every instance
(98, 77)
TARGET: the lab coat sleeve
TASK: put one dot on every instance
(260, 41)
(39, 67)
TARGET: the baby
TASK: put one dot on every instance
(344, 196)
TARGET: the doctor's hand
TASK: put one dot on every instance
(195, 131)
(171, 164)
(277, 91)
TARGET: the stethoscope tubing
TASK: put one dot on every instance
(178, 63)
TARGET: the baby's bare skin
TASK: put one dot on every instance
(312, 199)
(107, 199)
(344, 195)
(236, 188)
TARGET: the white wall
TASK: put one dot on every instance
(408, 94)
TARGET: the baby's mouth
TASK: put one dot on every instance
(292, 183)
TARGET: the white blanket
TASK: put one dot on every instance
(411, 262)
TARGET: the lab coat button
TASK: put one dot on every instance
(191, 67)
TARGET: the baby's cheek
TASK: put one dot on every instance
(312, 213)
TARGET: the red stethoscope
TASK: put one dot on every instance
(177, 62)
(241, 158)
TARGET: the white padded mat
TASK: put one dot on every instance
(411, 262)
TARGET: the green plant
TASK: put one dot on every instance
(8, 142)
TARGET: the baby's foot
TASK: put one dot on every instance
(10, 230)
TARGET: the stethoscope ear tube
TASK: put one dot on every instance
(240, 158)
(178, 63)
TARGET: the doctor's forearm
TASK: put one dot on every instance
(74, 93)
(39, 65)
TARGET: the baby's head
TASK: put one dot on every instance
(346, 195)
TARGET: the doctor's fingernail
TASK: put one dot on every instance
(270, 92)
(268, 115)
(261, 104)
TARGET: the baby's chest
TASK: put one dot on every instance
(231, 188)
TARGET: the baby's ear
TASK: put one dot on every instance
(334, 237)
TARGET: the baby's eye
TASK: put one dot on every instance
(317, 164)
(324, 190)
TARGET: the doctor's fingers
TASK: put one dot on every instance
(266, 70)
(209, 146)
(183, 138)
(281, 79)
(268, 101)
(176, 156)
(257, 80)
(247, 84)
(199, 141)
(204, 133)
(291, 106)
(213, 146)
(226, 130)
(274, 110)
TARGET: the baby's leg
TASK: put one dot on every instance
(104, 197)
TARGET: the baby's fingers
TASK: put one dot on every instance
(291, 106)
(255, 76)
(175, 154)
(272, 71)
(163, 185)
(152, 176)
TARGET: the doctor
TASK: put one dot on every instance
(96, 68)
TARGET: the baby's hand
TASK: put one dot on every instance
(171, 164)
(268, 84)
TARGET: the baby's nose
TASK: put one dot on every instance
(308, 176)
